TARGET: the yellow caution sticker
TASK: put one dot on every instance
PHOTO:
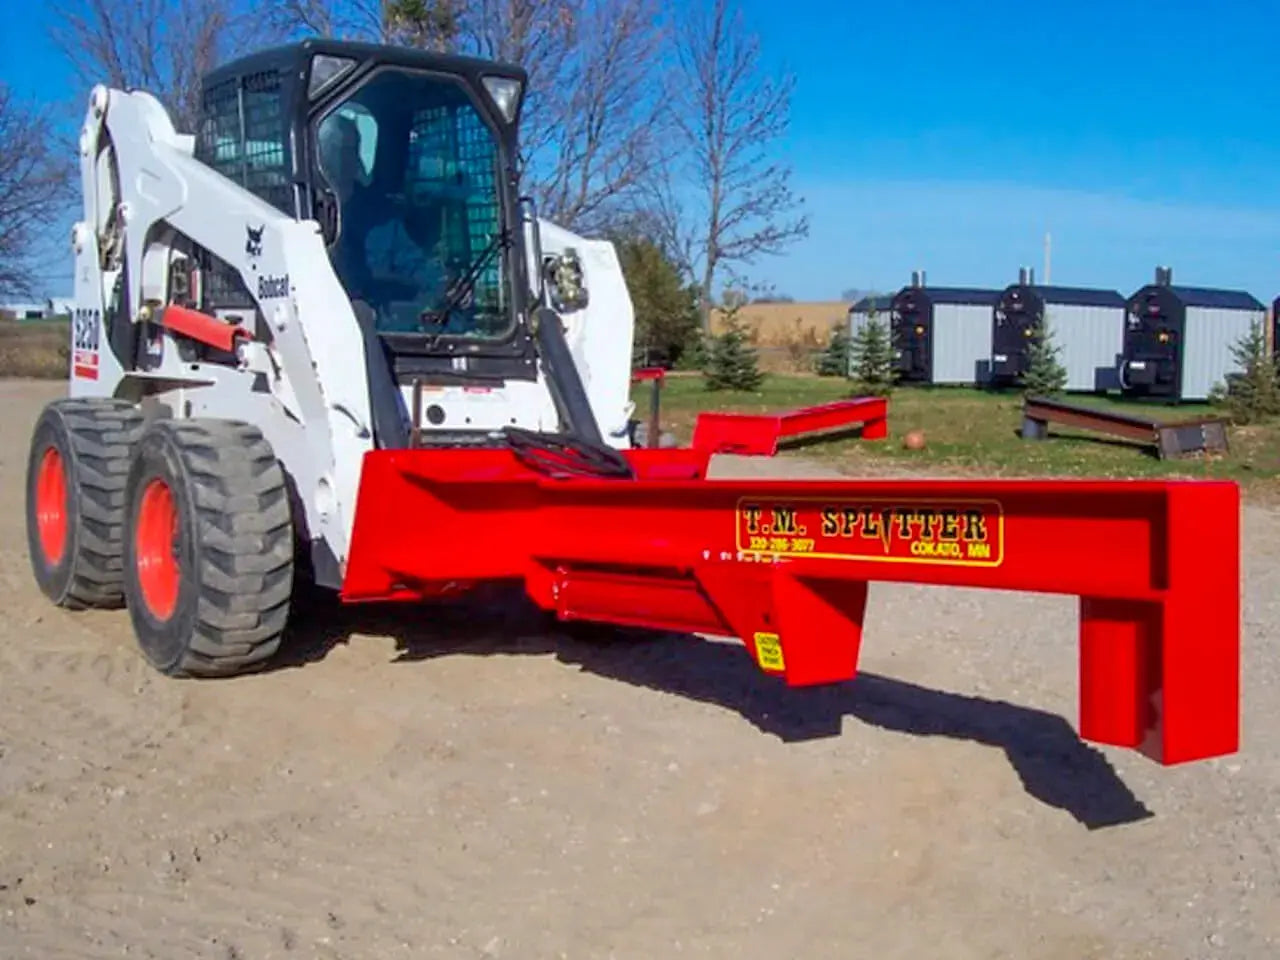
(769, 652)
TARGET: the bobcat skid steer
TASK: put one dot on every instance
(325, 333)
(336, 262)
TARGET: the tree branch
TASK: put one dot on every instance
(728, 118)
(36, 172)
(161, 47)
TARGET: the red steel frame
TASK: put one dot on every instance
(759, 434)
(1154, 563)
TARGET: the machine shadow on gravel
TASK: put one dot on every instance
(1054, 765)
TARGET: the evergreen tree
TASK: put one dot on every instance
(1045, 374)
(1253, 394)
(872, 359)
(666, 308)
(834, 361)
(731, 360)
(694, 354)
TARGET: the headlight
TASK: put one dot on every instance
(506, 95)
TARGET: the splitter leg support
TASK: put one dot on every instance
(1163, 676)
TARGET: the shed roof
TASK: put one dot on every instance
(881, 302)
(962, 295)
(1081, 296)
(1222, 299)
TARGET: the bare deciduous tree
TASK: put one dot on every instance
(729, 115)
(595, 122)
(342, 19)
(660, 215)
(427, 24)
(161, 46)
(35, 187)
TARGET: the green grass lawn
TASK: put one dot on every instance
(975, 432)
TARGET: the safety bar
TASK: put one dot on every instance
(760, 434)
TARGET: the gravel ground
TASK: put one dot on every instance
(459, 784)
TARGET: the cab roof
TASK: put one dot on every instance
(297, 54)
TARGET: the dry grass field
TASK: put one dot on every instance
(788, 335)
(34, 349)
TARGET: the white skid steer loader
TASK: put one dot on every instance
(337, 261)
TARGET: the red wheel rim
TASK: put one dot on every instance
(155, 542)
(51, 506)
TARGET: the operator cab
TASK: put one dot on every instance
(406, 159)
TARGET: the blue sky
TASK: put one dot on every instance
(952, 136)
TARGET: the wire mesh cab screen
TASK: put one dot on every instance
(243, 135)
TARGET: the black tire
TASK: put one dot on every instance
(230, 531)
(92, 440)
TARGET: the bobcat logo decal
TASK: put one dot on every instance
(253, 241)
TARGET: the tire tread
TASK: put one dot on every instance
(102, 432)
(245, 541)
